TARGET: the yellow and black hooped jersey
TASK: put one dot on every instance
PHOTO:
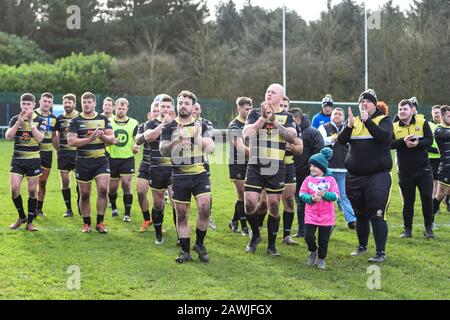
(62, 127)
(157, 160)
(269, 145)
(235, 132)
(25, 145)
(49, 122)
(289, 156)
(187, 157)
(85, 126)
(146, 154)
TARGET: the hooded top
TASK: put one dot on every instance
(370, 145)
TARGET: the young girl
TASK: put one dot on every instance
(319, 191)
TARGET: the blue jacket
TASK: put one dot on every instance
(320, 119)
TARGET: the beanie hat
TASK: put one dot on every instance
(369, 95)
(414, 101)
(320, 160)
(327, 101)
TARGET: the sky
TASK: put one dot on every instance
(307, 9)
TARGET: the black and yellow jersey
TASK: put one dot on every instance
(412, 160)
(289, 156)
(49, 122)
(235, 132)
(62, 127)
(442, 136)
(370, 145)
(157, 160)
(85, 126)
(25, 145)
(187, 158)
(269, 145)
(146, 154)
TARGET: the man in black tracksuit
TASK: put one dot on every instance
(312, 144)
(369, 163)
(412, 138)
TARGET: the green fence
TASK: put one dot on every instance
(220, 112)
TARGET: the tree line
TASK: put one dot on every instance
(166, 46)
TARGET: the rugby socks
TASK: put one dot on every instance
(127, 202)
(380, 233)
(363, 230)
(272, 228)
(436, 204)
(78, 200)
(253, 220)
(112, 200)
(261, 217)
(236, 212)
(66, 197)
(288, 219)
(87, 220)
(185, 244)
(19, 206)
(40, 204)
(174, 218)
(157, 217)
(241, 213)
(146, 215)
(200, 236)
(100, 218)
(32, 203)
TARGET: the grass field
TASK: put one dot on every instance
(125, 264)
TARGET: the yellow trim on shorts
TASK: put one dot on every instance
(274, 190)
(114, 179)
(154, 189)
(178, 201)
(202, 194)
(45, 168)
(444, 184)
(256, 187)
(126, 174)
(142, 179)
(290, 184)
(102, 174)
(81, 181)
(68, 171)
(234, 180)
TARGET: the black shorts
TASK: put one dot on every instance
(435, 167)
(144, 171)
(185, 186)
(444, 177)
(46, 159)
(257, 179)
(160, 178)
(121, 167)
(290, 177)
(26, 167)
(207, 168)
(237, 171)
(66, 160)
(88, 169)
(369, 195)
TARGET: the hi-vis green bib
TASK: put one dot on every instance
(360, 132)
(124, 132)
(432, 155)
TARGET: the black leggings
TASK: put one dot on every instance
(324, 237)
(408, 185)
